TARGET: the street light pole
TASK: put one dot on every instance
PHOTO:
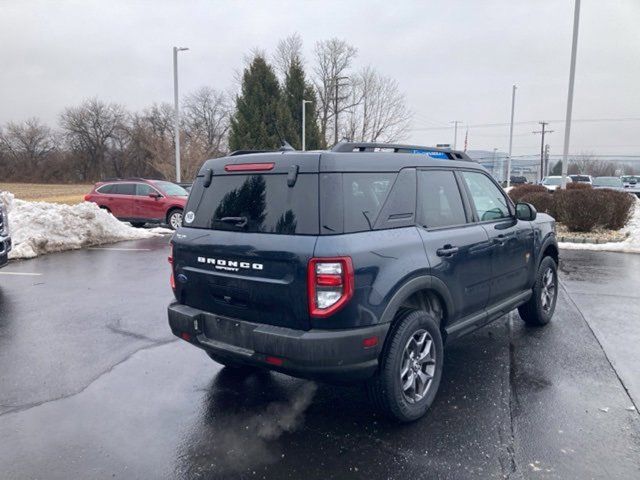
(513, 109)
(304, 124)
(572, 75)
(176, 119)
(455, 132)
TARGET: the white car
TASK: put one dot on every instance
(553, 182)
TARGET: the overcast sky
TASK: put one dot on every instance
(454, 59)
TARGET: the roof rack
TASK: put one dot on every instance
(247, 152)
(397, 148)
(131, 179)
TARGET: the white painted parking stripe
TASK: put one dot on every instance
(122, 249)
(25, 274)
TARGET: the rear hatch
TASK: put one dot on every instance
(250, 228)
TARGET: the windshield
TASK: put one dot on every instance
(172, 189)
(552, 181)
(630, 178)
(607, 182)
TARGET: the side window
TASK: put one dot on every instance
(143, 190)
(364, 195)
(124, 189)
(489, 200)
(439, 200)
(106, 189)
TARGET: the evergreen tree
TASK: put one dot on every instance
(295, 90)
(256, 121)
(557, 168)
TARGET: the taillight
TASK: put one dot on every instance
(249, 167)
(172, 280)
(330, 285)
(87, 197)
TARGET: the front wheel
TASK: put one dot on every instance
(410, 368)
(174, 219)
(540, 307)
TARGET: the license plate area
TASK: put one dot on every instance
(230, 331)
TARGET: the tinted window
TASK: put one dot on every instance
(106, 189)
(124, 188)
(364, 194)
(256, 203)
(143, 190)
(439, 200)
(490, 202)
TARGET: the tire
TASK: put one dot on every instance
(174, 218)
(138, 224)
(237, 368)
(385, 389)
(540, 307)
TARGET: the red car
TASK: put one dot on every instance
(140, 201)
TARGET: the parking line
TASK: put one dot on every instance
(121, 249)
(25, 274)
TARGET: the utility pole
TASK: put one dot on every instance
(513, 108)
(176, 119)
(493, 162)
(572, 76)
(544, 131)
(304, 124)
(455, 132)
(335, 108)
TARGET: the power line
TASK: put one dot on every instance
(533, 122)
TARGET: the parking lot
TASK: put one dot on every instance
(94, 385)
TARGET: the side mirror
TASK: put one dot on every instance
(526, 212)
(155, 195)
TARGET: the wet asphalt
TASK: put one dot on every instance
(93, 385)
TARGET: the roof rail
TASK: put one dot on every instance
(397, 148)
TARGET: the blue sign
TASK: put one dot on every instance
(432, 154)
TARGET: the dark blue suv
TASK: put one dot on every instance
(355, 264)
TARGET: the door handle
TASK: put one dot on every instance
(447, 251)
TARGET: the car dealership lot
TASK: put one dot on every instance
(94, 385)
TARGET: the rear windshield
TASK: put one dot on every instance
(256, 204)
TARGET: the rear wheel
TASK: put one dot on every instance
(174, 219)
(410, 368)
(540, 307)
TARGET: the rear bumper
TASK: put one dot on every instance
(5, 248)
(328, 355)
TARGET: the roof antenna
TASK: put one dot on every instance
(286, 147)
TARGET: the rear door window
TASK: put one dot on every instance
(257, 204)
(439, 200)
(124, 189)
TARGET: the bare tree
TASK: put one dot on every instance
(379, 111)
(206, 115)
(288, 51)
(90, 130)
(333, 59)
(28, 145)
(587, 164)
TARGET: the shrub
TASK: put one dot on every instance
(581, 210)
(622, 205)
(578, 186)
(518, 192)
(543, 201)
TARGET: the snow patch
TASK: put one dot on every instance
(630, 245)
(38, 228)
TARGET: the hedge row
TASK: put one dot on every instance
(580, 207)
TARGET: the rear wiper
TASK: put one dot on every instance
(240, 222)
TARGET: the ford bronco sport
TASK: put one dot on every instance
(355, 264)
